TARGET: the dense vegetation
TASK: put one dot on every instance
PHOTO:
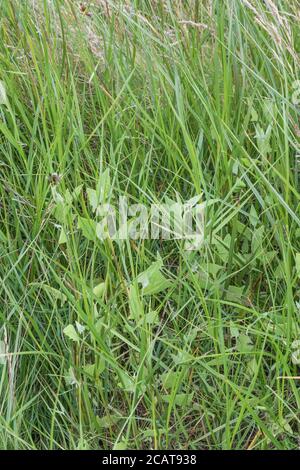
(150, 100)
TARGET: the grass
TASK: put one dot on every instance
(174, 98)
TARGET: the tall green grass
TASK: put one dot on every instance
(174, 98)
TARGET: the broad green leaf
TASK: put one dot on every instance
(127, 382)
(152, 280)
(70, 377)
(252, 367)
(238, 186)
(181, 357)
(68, 197)
(181, 399)
(88, 228)
(263, 140)
(92, 198)
(234, 331)
(244, 344)
(135, 303)
(103, 186)
(253, 217)
(253, 112)
(101, 366)
(71, 333)
(223, 247)
(269, 256)
(191, 335)
(170, 379)
(76, 192)
(61, 212)
(194, 200)
(234, 294)
(152, 318)
(99, 196)
(210, 268)
(279, 271)
(89, 369)
(99, 290)
(257, 239)
(82, 444)
(57, 197)
(254, 115)
(120, 445)
(269, 109)
(62, 237)
(107, 421)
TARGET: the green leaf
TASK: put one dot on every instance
(88, 228)
(68, 197)
(212, 269)
(269, 109)
(71, 333)
(99, 196)
(253, 112)
(253, 217)
(99, 290)
(92, 198)
(234, 331)
(127, 382)
(120, 445)
(280, 270)
(107, 421)
(269, 256)
(82, 444)
(70, 377)
(135, 303)
(238, 186)
(254, 115)
(234, 293)
(252, 367)
(244, 344)
(170, 379)
(152, 318)
(103, 186)
(62, 237)
(263, 140)
(181, 357)
(152, 280)
(89, 369)
(76, 192)
(101, 366)
(257, 239)
(181, 399)
(63, 208)
(57, 197)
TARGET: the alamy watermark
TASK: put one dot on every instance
(165, 221)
